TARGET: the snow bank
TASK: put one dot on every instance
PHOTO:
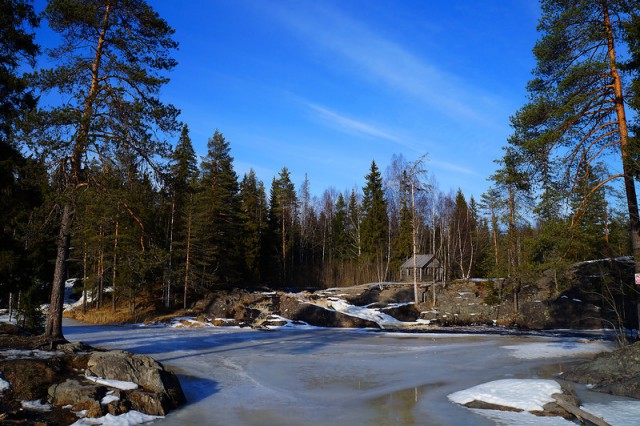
(523, 394)
(558, 349)
(127, 419)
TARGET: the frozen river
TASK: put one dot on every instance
(237, 376)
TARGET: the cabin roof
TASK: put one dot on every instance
(422, 260)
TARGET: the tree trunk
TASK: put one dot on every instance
(167, 301)
(53, 329)
(84, 280)
(101, 269)
(186, 265)
(414, 232)
(627, 160)
(114, 271)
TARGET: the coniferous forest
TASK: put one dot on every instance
(99, 179)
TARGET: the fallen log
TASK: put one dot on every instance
(583, 416)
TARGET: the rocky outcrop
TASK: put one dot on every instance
(616, 372)
(62, 378)
(162, 390)
(238, 305)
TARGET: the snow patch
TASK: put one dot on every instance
(4, 385)
(118, 384)
(558, 349)
(360, 312)
(36, 406)
(108, 399)
(127, 419)
(287, 323)
(523, 394)
(22, 354)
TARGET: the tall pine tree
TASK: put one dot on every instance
(576, 116)
(109, 70)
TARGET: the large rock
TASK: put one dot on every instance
(81, 396)
(237, 304)
(140, 369)
(294, 309)
(616, 372)
(407, 313)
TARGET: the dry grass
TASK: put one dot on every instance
(106, 315)
(145, 313)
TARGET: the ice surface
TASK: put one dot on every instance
(618, 413)
(304, 375)
(509, 418)
(523, 394)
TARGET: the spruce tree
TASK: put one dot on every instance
(17, 47)
(339, 230)
(354, 225)
(254, 220)
(182, 181)
(375, 222)
(217, 227)
(283, 218)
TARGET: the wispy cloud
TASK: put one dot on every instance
(389, 63)
(350, 125)
(445, 165)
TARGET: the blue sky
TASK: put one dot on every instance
(325, 87)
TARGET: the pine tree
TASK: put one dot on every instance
(492, 204)
(513, 185)
(109, 71)
(576, 115)
(588, 222)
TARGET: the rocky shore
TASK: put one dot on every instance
(43, 382)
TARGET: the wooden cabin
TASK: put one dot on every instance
(428, 268)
